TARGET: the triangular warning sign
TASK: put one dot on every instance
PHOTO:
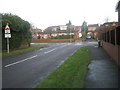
(7, 27)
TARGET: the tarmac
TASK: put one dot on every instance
(103, 71)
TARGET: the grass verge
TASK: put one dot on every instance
(71, 74)
(14, 52)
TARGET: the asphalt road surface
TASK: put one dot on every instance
(26, 70)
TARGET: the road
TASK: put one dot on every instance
(26, 70)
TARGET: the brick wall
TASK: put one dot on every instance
(113, 51)
(52, 40)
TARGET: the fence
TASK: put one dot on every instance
(111, 42)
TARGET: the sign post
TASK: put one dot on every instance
(8, 45)
(7, 35)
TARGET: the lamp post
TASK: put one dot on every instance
(70, 33)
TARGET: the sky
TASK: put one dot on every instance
(45, 13)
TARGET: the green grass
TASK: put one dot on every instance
(14, 52)
(71, 74)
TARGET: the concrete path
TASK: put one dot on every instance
(103, 72)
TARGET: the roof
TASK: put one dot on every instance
(93, 25)
(110, 23)
(118, 5)
(77, 27)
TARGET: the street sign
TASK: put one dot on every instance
(7, 29)
(7, 35)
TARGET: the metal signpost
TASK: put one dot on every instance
(7, 35)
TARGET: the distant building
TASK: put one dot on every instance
(92, 27)
(118, 10)
(36, 33)
(59, 30)
(110, 24)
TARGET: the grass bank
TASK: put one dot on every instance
(14, 52)
(71, 74)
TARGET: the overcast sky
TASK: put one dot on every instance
(44, 13)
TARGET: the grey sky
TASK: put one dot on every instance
(44, 13)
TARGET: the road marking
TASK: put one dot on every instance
(40, 49)
(21, 61)
(55, 48)
(50, 51)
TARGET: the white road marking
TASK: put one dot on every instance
(35, 55)
(55, 49)
(78, 43)
(49, 51)
(41, 49)
(20, 61)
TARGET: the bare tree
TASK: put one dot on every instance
(107, 19)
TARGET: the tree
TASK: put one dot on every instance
(21, 36)
(84, 30)
(107, 19)
(69, 23)
(84, 27)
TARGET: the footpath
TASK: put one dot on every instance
(103, 71)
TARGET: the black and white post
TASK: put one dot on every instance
(7, 35)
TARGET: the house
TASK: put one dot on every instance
(110, 24)
(54, 31)
(78, 31)
(92, 27)
(92, 30)
(59, 30)
(118, 10)
(36, 33)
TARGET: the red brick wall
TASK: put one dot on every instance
(113, 51)
(52, 40)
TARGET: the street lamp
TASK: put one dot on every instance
(70, 35)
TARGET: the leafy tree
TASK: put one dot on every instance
(69, 23)
(84, 29)
(19, 28)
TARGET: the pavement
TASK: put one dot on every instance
(103, 71)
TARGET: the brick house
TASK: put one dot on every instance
(36, 33)
(92, 27)
(92, 30)
(60, 30)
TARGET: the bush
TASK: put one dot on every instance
(19, 28)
